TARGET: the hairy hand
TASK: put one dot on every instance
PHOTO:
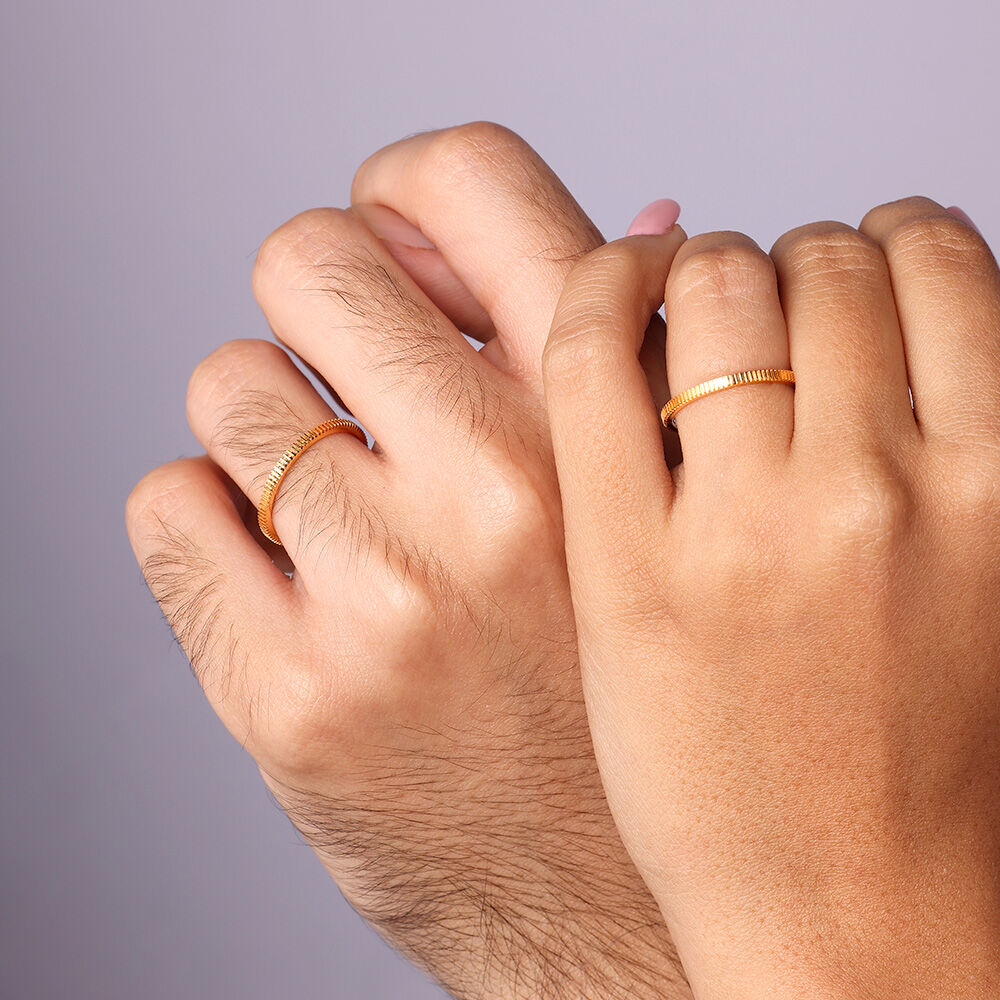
(791, 645)
(411, 693)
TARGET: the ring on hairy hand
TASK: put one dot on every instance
(723, 382)
(266, 506)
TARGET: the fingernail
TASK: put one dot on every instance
(389, 225)
(959, 214)
(657, 218)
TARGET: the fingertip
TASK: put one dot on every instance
(656, 219)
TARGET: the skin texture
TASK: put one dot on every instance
(790, 643)
(411, 694)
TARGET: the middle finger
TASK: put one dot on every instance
(333, 293)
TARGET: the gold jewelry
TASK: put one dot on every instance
(281, 467)
(678, 402)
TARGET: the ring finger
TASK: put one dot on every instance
(724, 317)
(247, 403)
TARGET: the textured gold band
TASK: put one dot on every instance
(281, 467)
(678, 402)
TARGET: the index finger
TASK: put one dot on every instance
(500, 217)
(613, 477)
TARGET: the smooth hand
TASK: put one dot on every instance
(791, 644)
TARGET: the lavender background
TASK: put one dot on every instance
(145, 150)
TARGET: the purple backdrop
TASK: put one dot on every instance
(145, 151)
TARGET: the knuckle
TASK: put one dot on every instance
(521, 503)
(829, 248)
(607, 265)
(884, 216)
(227, 367)
(591, 296)
(972, 491)
(939, 240)
(870, 513)
(409, 607)
(300, 242)
(399, 637)
(181, 577)
(380, 668)
(301, 716)
(160, 494)
(577, 352)
(473, 146)
(592, 291)
(720, 271)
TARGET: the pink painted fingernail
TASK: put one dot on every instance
(959, 214)
(391, 226)
(657, 218)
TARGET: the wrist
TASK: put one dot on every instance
(950, 957)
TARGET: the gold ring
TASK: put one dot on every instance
(678, 402)
(281, 467)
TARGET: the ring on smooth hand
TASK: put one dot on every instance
(678, 402)
(281, 467)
